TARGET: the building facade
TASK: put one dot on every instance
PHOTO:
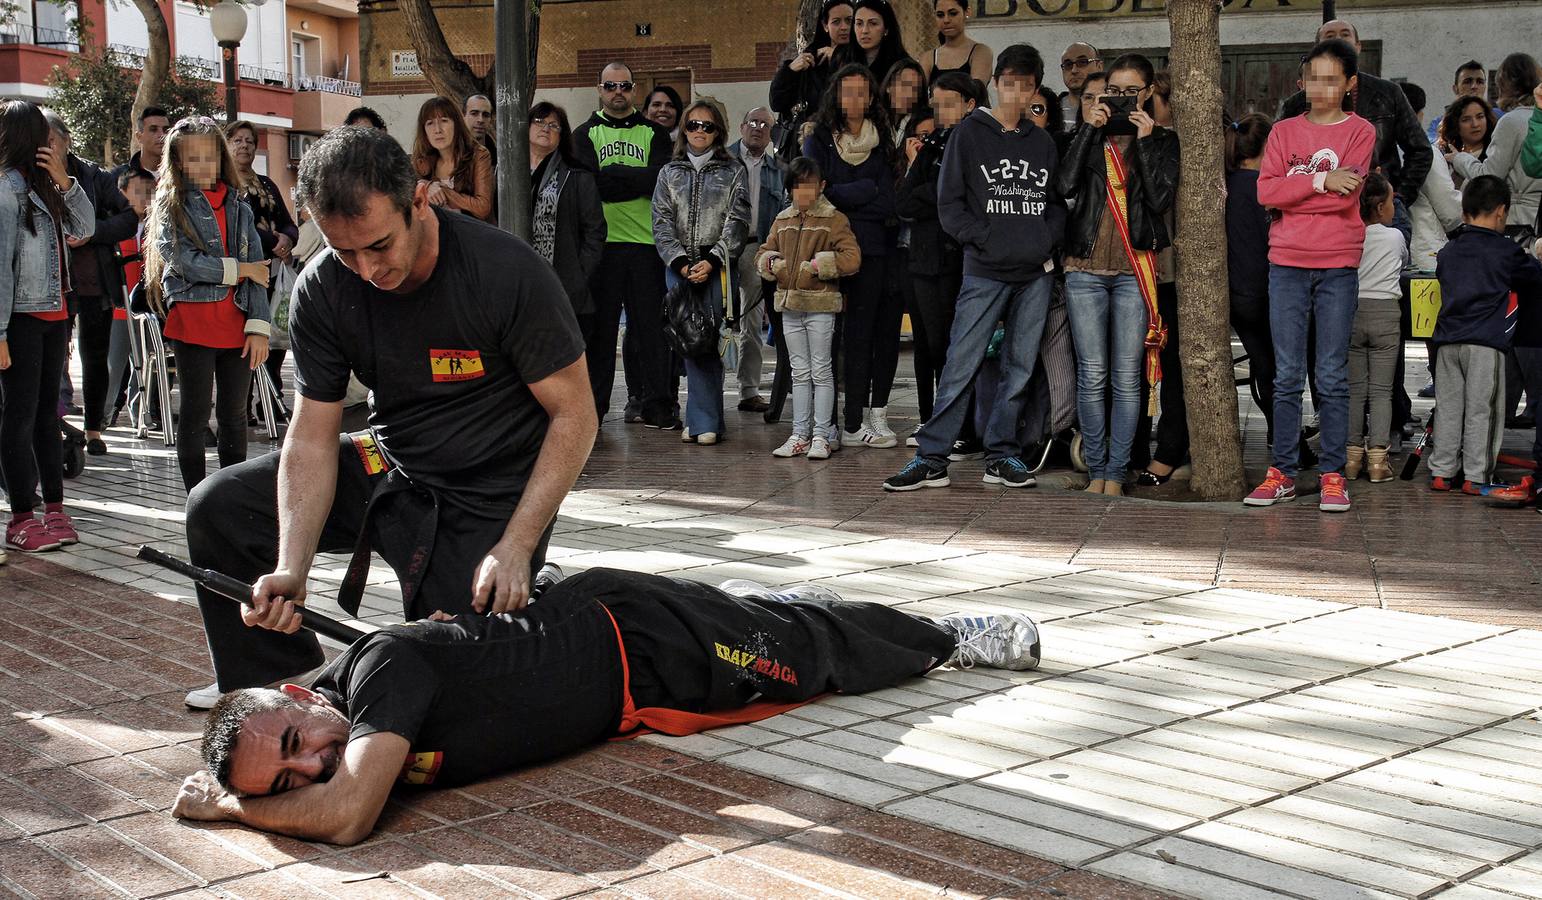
(298, 61)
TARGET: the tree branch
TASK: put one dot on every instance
(157, 66)
(448, 75)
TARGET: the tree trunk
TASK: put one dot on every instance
(448, 75)
(514, 22)
(157, 66)
(1210, 394)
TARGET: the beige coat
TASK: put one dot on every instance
(798, 241)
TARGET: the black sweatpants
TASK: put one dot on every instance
(31, 452)
(869, 338)
(695, 648)
(630, 277)
(206, 378)
(94, 338)
(1172, 429)
(232, 526)
(931, 322)
(1250, 320)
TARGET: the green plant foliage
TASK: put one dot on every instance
(95, 95)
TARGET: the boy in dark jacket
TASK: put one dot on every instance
(1483, 276)
(995, 198)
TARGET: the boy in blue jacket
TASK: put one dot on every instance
(1483, 276)
(995, 197)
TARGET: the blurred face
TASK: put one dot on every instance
(951, 106)
(1016, 91)
(243, 147)
(905, 91)
(152, 137)
(381, 246)
(855, 97)
(479, 117)
(1339, 30)
(1471, 83)
(440, 131)
(869, 29)
(1038, 108)
(755, 132)
(838, 24)
(283, 749)
(200, 159)
(1325, 84)
(616, 90)
(545, 132)
(805, 193)
(701, 130)
(1473, 125)
(139, 191)
(1076, 63)
(950, 18)
(661, 110)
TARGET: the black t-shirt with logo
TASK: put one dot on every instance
(449, 363)
(480, 695)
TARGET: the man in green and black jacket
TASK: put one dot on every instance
(626, 153)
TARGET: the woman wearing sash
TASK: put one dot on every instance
(1122, 170)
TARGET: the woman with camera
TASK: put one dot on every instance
(1122, 170)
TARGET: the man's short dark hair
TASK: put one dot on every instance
(341, 171)
(803, 170)
(1020, 59)
(1468, 66)
(1348, 59)
(960, 83)
(1416, 96)
(128, 176)
(1483, 195)
(369, 115)
(222, 730)
(150, 112)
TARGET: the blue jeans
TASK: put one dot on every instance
(703, 383)
(810, 338)
(1108, 325)
(1327, 298)
(983, 302)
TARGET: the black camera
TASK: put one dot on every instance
(1119, 109)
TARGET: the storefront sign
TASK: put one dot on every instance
(404, 64)
(1091, 9)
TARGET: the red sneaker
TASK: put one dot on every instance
(59, 525)
(1522, 494)
(30, 536)
(1438, 483)
(1472, 489)
(1333, 495)
(1275, 489)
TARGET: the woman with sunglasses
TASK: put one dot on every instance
(567, 219)
(701, 214)
(800, 82)
(1122, 169)
(955, 51)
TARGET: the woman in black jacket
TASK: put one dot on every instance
(800, 82)
(567, 219)
(1111, 262)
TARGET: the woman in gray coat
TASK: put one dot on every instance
(701, 213)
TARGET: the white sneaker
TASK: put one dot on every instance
(867, 437)
(915, 436)
(204, 697)
(1002, 641)
(708, 439)
(819, 448)
(878, 422)
(796, 445)
(685, 436)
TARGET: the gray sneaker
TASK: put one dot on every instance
(1003, 641)
(743, 587)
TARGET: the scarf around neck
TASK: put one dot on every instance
(543, 218)
(855, 148)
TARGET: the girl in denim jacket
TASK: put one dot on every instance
(204, 267)
(40, 204)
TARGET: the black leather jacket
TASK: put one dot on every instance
(1153, 165)
(1403, 151)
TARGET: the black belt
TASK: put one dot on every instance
(409, 518)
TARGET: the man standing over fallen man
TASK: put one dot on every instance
(481, 418)
(605, 652)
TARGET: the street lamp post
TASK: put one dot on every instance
(228, 22)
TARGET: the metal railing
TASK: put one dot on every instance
(328, 85)
(57, 38)
(266, 76)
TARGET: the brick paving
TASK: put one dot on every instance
(1184, 735)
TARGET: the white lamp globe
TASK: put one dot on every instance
(228, 22)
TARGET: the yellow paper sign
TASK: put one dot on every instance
(1424, 301)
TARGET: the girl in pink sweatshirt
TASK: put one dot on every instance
(1310, 179)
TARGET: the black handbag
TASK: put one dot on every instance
(691, 321)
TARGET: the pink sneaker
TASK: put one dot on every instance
(61, 527)
(30, 536)
(1275, 489)
(1334, 493)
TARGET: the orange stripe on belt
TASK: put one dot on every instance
(678, 722)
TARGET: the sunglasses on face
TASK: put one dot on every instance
(611, 87)
(1080, 62)
(703, 127)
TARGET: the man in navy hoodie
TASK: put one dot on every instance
(995, 197)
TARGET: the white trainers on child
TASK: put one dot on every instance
(796, 445)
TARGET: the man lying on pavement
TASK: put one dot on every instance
(602, 653)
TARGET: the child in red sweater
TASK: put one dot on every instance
(1312, 170)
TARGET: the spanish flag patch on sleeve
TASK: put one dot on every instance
(421, 768)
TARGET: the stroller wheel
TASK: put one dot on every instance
(1077, 462)
(74, 450)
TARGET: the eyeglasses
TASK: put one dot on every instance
(1080, 62)
(613, 86)
(757, 126)
(1122, 92)
(1037, 109)
(546, 126)
(703, 127)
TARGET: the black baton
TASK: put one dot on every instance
(241, 592)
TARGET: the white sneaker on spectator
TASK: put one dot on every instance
(819, 448)
(878, 423)
(204, 697)
(914, 439)
(796, 445)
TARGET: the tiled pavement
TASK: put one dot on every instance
(1199, 740)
